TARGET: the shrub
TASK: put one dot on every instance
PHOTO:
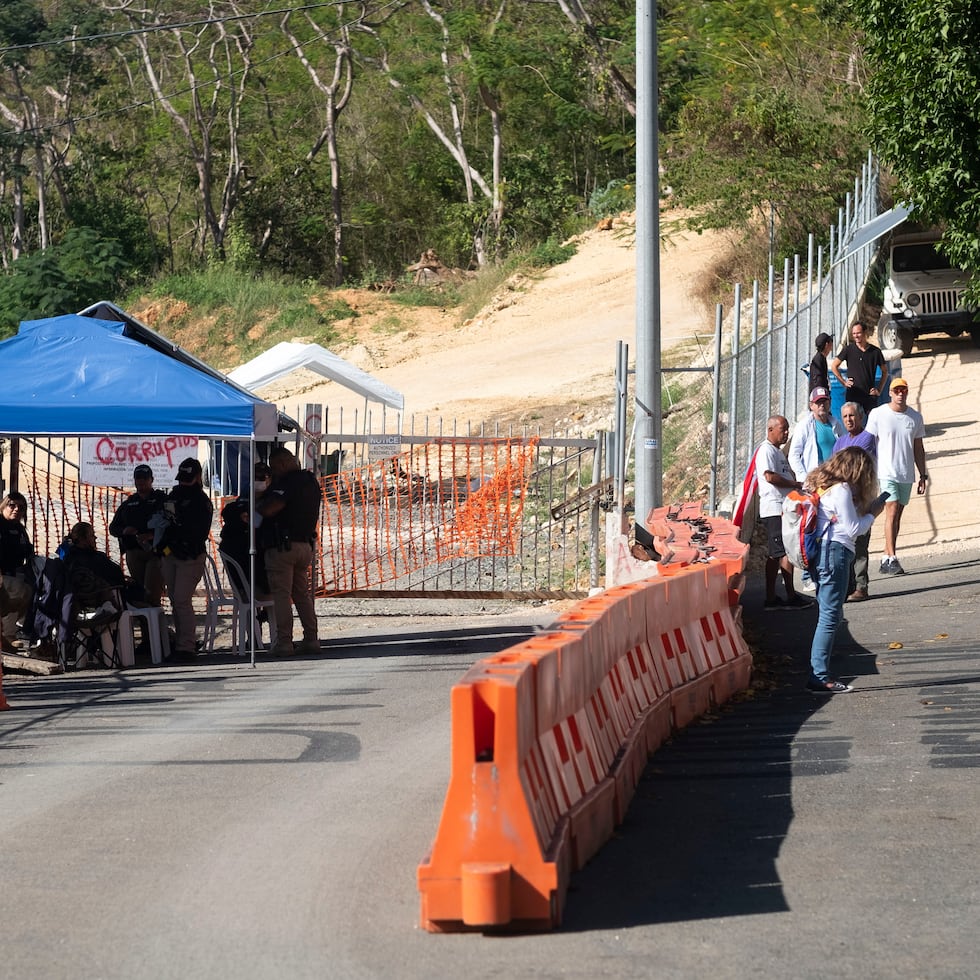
(80, 270)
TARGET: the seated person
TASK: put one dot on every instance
(234, 540)
(93, 591)
(16, 567)
(88, 570)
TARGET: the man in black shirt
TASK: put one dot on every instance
(131, 526)
(236, 524)
(864, 361)
(291, 515)
(183, 544)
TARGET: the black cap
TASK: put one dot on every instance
(142, 470)
(189, 470)
(822, 340)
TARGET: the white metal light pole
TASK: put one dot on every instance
(648, 469)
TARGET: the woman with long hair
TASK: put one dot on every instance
(16, 567)
(848, 488)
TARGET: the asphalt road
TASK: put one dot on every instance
(222, 821)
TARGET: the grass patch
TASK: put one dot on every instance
(245, 313)
(477, 293)
(226, 315)
(388, 325)
(441, 296)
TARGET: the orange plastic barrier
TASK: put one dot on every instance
(550, 738)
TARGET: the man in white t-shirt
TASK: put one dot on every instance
(775, 479)
(899, 430)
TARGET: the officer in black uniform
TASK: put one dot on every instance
(291, 517)
(189, 511)
(131, 526)
(235, 529)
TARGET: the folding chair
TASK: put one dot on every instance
(217, 598)
(240, 619)
(91, 629)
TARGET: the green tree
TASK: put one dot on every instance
(46, 73)
(768, 136)
(923, 95)
(79, 270)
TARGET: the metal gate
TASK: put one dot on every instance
(513, 516)
(464, 516)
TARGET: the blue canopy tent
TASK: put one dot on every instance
(76, 375)
(228, 457)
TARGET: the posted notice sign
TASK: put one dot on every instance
(109, 461)
(383, 447)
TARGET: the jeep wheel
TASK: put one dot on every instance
(893, 336)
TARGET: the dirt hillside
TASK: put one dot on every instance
(543, 351)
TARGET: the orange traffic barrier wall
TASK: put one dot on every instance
(550, 738)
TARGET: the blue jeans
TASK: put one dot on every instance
(831, 571)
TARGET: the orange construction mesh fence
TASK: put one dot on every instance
(441, 502)
(382, 525)
(56, 503)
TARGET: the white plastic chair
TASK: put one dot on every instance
(155, 633)
(240, 616)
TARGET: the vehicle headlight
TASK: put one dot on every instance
(913, 299)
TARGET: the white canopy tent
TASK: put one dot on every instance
(284, 358)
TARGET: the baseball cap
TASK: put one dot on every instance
(188, 470)
(898, 383)
(819, 393)
(822, 338)
(141, 471)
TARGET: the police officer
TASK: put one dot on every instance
(236, 522)
(131, 526)
(291, 514)
(189, 511)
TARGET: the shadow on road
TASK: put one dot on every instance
(703, 834)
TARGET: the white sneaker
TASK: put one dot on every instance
(808, 585)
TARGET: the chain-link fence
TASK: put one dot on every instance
(772, 330)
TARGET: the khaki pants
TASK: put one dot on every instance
(289, 584)
(15, 605)
(145, 568)
(181, 577)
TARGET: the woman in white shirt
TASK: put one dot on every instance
(848, 484)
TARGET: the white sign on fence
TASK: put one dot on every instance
(383, 447)
(109, 461)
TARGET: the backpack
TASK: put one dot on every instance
(800, 536)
